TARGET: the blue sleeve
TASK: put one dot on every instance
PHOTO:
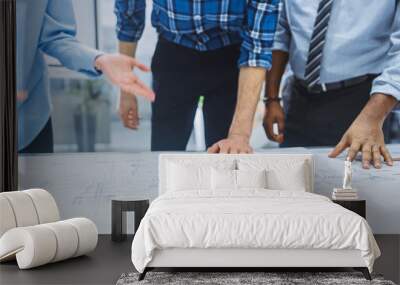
(258, 35)
(282, 35)
(389, 81)
(58, 38)
(130, 19)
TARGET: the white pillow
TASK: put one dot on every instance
(184, 176)
(223, 179)
(251, 178)
(295, 180)
(288, 174)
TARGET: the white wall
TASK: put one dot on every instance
(84, 184)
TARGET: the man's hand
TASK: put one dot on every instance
(118, 69)
(233, 144)
(274, 114)
(128, 111)
(366, 135)
(367, 138)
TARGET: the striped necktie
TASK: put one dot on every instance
(315, 51)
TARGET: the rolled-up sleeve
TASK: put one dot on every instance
(282, 34)
(389, 81)
(258, 34)
(130, 19)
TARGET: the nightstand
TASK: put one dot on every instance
(356, 206)
(118, 216)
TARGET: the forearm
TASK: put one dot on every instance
(279, 62)
(250, 83)
(127, 48)
(377, 108)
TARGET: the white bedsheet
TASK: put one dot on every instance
(250, 219)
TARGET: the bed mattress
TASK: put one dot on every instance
(250, 219)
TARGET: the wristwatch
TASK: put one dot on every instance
(267, 100)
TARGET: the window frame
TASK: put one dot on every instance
(8, 102)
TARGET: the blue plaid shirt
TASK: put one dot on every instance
(206, 25)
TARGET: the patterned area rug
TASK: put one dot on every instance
(238, 278)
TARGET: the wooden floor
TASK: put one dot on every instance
(110, 260)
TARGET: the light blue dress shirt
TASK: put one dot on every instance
(363, 38)
(45, 27)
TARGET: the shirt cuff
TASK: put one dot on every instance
(248, 59)
(88, 62)
(383, 87)
(129, 37)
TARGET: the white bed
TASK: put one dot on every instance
(205, 226)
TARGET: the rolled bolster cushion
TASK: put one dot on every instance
(87, 235)
(41, 244)
(33, 246)
(45, 205)
(23, 208)
(7, 218)
(67, 240)
(26, 208)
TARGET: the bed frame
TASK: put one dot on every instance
(256, 260)
(239, 260)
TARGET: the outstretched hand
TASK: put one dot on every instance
(118, 69)
(366, 138)
(234, 144)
